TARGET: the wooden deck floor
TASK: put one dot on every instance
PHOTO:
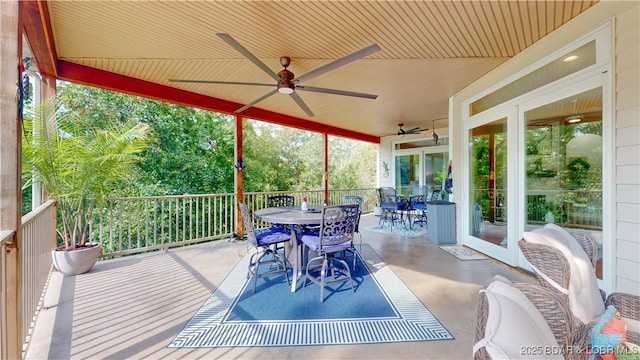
(132, 308)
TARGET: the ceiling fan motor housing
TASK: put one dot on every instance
(285, 85)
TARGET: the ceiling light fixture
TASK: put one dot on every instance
(570, 58)
(574, 119)
(285, 85)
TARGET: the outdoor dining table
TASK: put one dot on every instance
(292, 216)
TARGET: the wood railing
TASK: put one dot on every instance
(140, 224)
(258, 200)
(5, 238)
(37, 240)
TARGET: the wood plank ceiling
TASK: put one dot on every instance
(429, 49)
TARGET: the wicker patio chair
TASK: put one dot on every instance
(553, 309)
(551, 266)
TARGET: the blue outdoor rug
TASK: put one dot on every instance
(398, 230)
(381, 310)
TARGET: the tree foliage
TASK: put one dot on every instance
(193, 151)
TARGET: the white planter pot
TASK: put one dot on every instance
(377, 211)
(77, 261)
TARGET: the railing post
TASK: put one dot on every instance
(10, 171)
(238, 174)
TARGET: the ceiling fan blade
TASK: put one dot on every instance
(241, 49)
(256, 101)
(218, 82)
(302, 105)
(340, 62)
(336, 92)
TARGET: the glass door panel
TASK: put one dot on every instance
(435, 172)
(488, 182)
(563, 158)
(407, 170)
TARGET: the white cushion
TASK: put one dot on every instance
(515, 328)
(585, 301)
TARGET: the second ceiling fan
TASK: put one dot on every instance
(286, 81)
(415, 130)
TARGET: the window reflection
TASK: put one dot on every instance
(563, 157)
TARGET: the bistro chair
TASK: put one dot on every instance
(265, 257)
(335, 235)
(357, 200)
(390, 204)
(564, 262)
(420, 206)
(521, 320)
(280, 201)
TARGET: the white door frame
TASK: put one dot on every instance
(508, 254)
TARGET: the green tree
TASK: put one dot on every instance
(194, 148)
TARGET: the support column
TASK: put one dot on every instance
(10, 162)
(325, 167)
(238, 173)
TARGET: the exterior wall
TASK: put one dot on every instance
(385, 154)
(627, 151)
(626, 120)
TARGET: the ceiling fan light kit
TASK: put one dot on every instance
(287, 83)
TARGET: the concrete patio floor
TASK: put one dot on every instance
(132, 308)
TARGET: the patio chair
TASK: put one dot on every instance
(521, 320)
(280, 201)
(418, 204)
(350, 253)
(265, 257)
(335, 235)
(564, 262)
(390, 204)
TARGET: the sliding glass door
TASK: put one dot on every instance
(488, 174)
(420, 171)
(563, 179)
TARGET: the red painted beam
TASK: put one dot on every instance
(104, 79)
(36, 24)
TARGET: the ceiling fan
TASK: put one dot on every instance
(286, 82)
(415, 130)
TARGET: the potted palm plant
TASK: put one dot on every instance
(79, 165)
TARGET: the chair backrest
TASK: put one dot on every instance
(280, 201)
(338, 224)
(357, 200)
(506, 332)
(435, 195)
(560, 263)
(387, 195)
(247, 223)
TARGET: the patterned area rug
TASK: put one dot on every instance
(463, 253)
(398, 230)
(381, 310)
